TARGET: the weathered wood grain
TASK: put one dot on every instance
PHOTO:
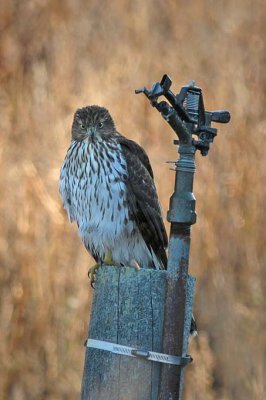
(128, 307)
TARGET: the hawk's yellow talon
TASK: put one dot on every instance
(93, 270)
(92, 273)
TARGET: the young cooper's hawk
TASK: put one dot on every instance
(107, 186)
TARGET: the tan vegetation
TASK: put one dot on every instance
(57, 56)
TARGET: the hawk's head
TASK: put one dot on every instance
(92, 123)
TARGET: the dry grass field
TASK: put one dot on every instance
(58, 55)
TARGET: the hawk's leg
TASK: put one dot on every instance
(93, 270)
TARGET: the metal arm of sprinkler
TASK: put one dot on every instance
(186, 113)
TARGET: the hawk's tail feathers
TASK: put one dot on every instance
(159, 259)
(193, 327)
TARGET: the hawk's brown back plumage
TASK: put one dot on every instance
(143, 200)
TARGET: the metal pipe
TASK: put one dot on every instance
(181, 215)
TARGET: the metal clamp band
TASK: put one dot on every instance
(139, 353)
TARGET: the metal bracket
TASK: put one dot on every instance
(138, 353)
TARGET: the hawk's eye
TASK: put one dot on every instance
(100, 125)
(82, 126)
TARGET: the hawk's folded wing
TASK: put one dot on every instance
(143, 201)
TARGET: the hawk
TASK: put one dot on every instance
(107, 187)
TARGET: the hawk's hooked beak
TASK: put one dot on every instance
(91, 133)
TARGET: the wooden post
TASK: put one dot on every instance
(128, 308)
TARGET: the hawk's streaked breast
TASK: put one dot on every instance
(95, 175)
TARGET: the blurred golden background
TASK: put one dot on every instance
(57, 56)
